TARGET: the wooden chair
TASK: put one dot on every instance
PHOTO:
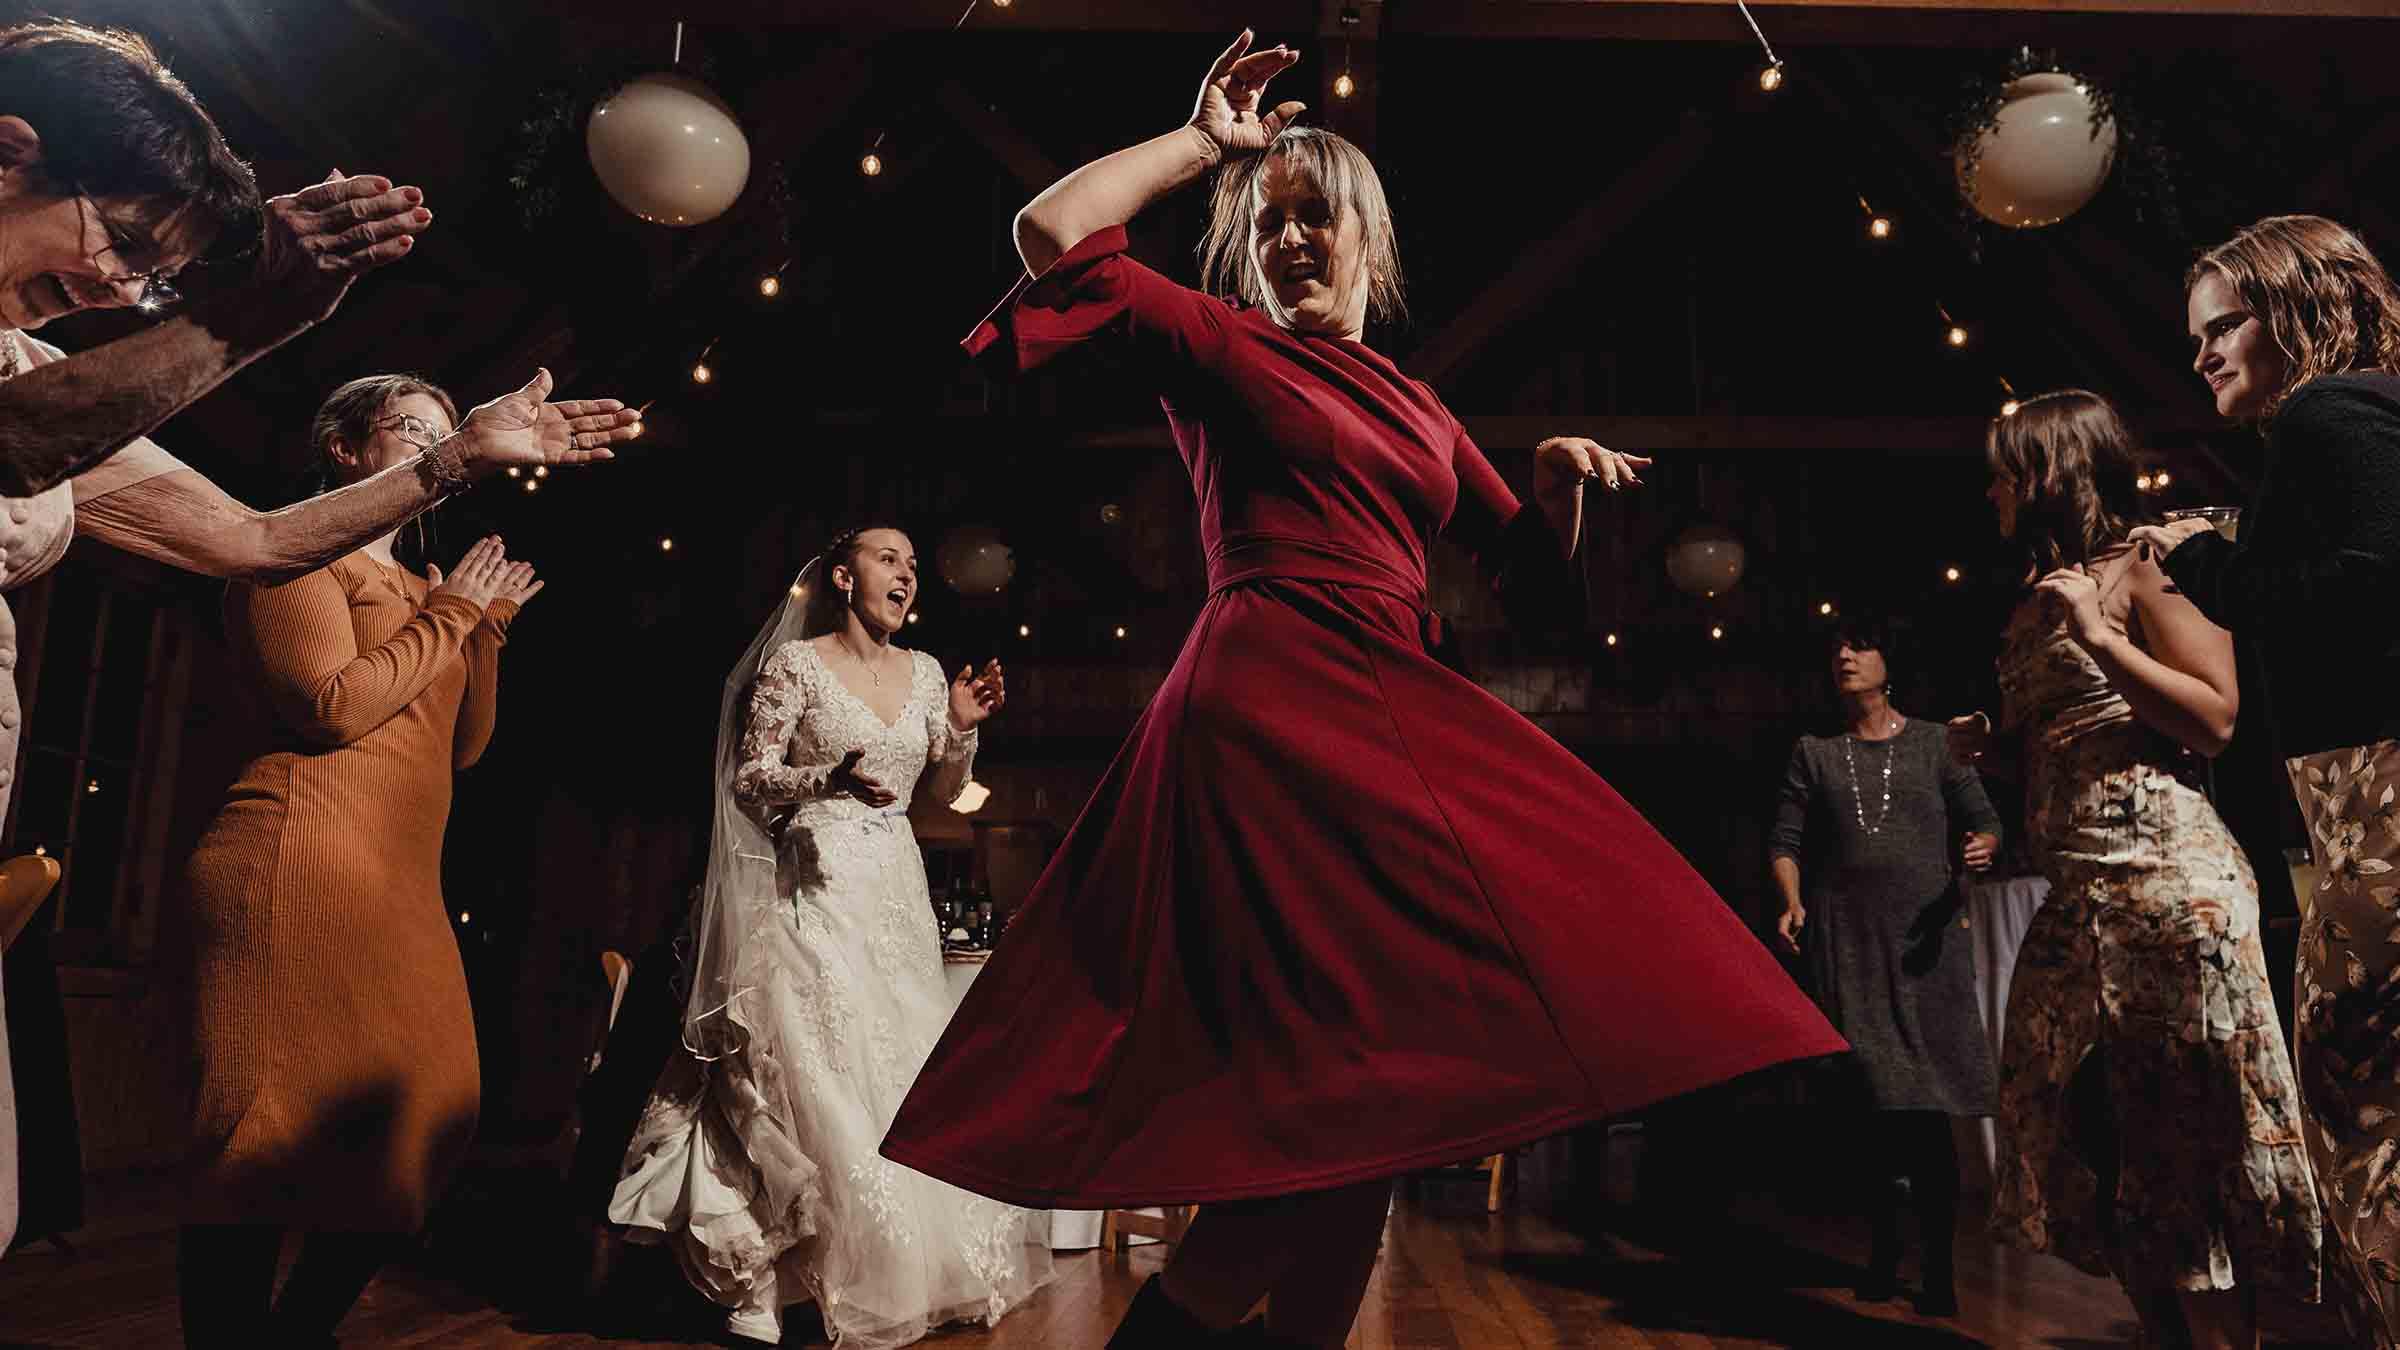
(24, 884)
(1168, 1225)
(1497, 1165)
(617, 971)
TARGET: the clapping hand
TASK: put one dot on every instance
(848, 781)
(320, 239)
(525, 428)
(482, 575)
(1227, 110)
(974, 697)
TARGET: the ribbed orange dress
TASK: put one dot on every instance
(334, 1046)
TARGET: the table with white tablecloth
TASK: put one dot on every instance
(1998, 913)
(1070, 1229)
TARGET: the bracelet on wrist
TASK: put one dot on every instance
(444, 466)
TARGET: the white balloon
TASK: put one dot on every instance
(975, 561)
(1706, 560)
(2043, 160)
(669, 150)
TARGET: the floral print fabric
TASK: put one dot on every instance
(2349, 1006)
(2141, 1034)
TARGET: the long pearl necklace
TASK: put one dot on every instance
(1858, 799)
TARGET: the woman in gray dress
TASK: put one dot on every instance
(1884, 820)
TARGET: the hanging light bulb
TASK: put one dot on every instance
(2162, 478)
(912, 616)
(1120, 631)
(1770, 78)
(2009, 409)
(1612, 639)
(533, 485)
(1344, 86)
(666, 544)
(1826, 608)
(1951, 574)
(515, 472)
(541, 471)
(870, 164)
(701, 374)
(1879, 228)
(1716, 631)
(770, 285)
(1023, 631)
(2142, 481)
(1957, 336)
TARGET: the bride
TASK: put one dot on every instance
(816, 986)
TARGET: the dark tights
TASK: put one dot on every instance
(1309, 1256)
(1917, 1145)
(225, 1275)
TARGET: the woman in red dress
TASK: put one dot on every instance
(1335, 914)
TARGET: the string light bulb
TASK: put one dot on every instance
(2142, 481)
(1957, 336)
(1716, 632)
(533, 485)
(1951, 575)
(1826, 609)
(515, 472)
(1024, 631)
(701, 374)
(1879, 228)
(870, 164)
(1612, 639)
(1120, 631)
(541, 471)
(770, 285)
(2010, 408)
(666, 543)
(912, 616)
(1770, 78)
(1344, 86)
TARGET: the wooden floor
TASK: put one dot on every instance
(1451, 1279)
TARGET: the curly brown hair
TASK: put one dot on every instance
(2324, 298)
(2070, 459)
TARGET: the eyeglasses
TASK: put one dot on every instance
(414, 430)
(157, 285)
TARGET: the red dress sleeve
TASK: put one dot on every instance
(1094, 292)
(1540, 587)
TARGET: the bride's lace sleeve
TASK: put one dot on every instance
(764, 776)
(949, 757)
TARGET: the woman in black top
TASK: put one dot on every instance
(2297, 328)
(1884, 820)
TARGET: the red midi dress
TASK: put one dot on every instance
(1334, 913)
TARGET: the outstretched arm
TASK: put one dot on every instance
(1117, 187)
(177, 516)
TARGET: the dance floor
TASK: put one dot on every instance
(1452, 1278)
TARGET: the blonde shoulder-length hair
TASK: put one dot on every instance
(2326, 301)
(1335, 167)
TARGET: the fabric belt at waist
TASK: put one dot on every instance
(1279, 558)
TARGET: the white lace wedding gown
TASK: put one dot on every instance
(761, 1167)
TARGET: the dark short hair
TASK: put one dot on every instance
(115, 122)
(1863, 633)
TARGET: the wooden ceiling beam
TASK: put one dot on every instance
(1543, 268)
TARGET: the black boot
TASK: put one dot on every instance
(1882, 1278)
(1154, 1322)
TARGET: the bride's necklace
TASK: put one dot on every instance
(873, 668)
(1858, 799)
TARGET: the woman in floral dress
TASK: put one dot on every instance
(2297, 329)
(2149, 1123)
